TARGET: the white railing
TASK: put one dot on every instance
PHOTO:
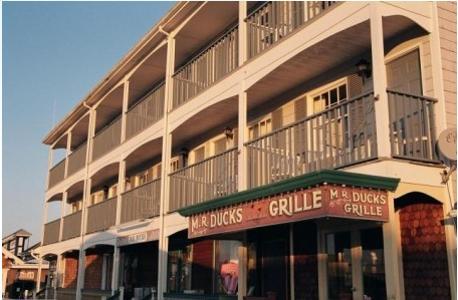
(211, 178)
(341, 135)
(213, 63)
(107, 139)
(141, 202)
(145, 112)
(274, 20)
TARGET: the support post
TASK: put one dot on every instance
(80, 275)
(115, 270)
(394, 277)
(68, 151)
(121, 190)
(166, 156)
(243, 49)
(62, 214)
(242, 152)
(242, 279)
(380, 83)
(125, 106)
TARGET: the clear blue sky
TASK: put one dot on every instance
(54, 52)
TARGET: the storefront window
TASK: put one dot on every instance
(208, 267)
(338, 247)
(373, 264)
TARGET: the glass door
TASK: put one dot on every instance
(355, 266)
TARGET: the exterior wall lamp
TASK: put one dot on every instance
(363, 69)
(229, 133)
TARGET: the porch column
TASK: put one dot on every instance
(165, 182)
(125, 104)
(80, 275)
(242, 128)
(243, 49)
(91, 134)
(68, 151)
(115, 270)
(242, 279)
(62, 214)
(394, 278)
(121, 189)
(380, 83)
(59, 271)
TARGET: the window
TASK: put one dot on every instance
(260, 128)
(329, 97)
(220, 145)
(199, 154)
(175, 164)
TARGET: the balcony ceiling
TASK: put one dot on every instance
(216, 117)
(147, 153)
(79, 132)
(108, 174)
(109, 108)
(340, 49)
(207, 24)
(151, 72)
(75, 192)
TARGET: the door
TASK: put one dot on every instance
(404, 75)
(355, 266)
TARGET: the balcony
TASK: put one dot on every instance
(275, 20)
(77, 159)
(101, 216)
(107, 139)
(145, 112)
(141, 202)
(211, 178)
(412, 126)
(72, 225)
(57, 173)
(51, 232)
(210, 65)
(341, 135)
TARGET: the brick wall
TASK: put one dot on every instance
(424, 254)
(71, 271)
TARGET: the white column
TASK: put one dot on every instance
(291, 262)
(121, 189)
(380, 83)
(62, 213)
(242, 152)
(91, 133)
(166, 156)
(356, 265)
(394, 278)
(115, 271)
(243, 49)
(59, 270)
(67, 152)
(125, 104)
(242, 279)
(80, 275)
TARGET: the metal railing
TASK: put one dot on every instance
(412, 126)
(276, 19)
(145, 112)
(341, 135)
(107, 139)
(141, 202)
(72, 226)
(51, 234)
(101, 216)
(211, 178)
(77, 159)
(57, 173)
(213, 63)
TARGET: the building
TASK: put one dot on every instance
(274, 150)
(20, 271)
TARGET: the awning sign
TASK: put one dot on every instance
(142, 237)
(321, 201)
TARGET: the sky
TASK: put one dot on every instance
(54, 53)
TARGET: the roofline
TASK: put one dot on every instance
(115, 74)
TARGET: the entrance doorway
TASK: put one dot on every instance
(354, 265)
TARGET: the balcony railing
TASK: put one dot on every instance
(72, 226)
(211, 178)
(57, 173)
(412, 126)
(51, 234)
(276, 19)
(146, 112)
(141, 202)
(101, 216)
(213, 63)
(77, 159)
(341, 135)
(107, 139)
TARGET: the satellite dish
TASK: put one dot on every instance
(447, 144)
